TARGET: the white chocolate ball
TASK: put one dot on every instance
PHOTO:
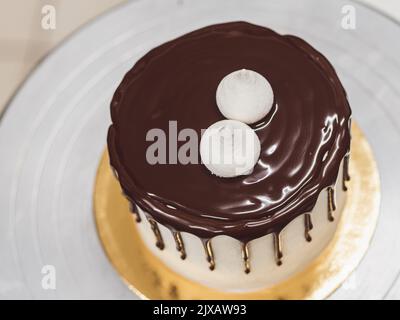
(244, 95)
(229, 148)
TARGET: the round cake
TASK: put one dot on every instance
(252, 230)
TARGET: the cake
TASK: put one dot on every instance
(252, 230)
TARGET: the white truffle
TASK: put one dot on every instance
(229, 148)
(244, 95)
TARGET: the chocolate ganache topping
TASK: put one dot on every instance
(303, 139)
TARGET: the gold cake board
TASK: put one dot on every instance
(149, 278)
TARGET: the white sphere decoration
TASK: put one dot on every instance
(229, 148)
(244, 95)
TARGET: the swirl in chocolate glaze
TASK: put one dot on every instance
(303, 139)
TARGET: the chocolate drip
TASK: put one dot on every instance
(179, 244)
(308, 226)
(246, 257)
(278, 248)
(209, 253)
(346, 175)
(133, 208)
(159, 240)
(331, 203)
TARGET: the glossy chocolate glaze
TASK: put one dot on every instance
(303, 139)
